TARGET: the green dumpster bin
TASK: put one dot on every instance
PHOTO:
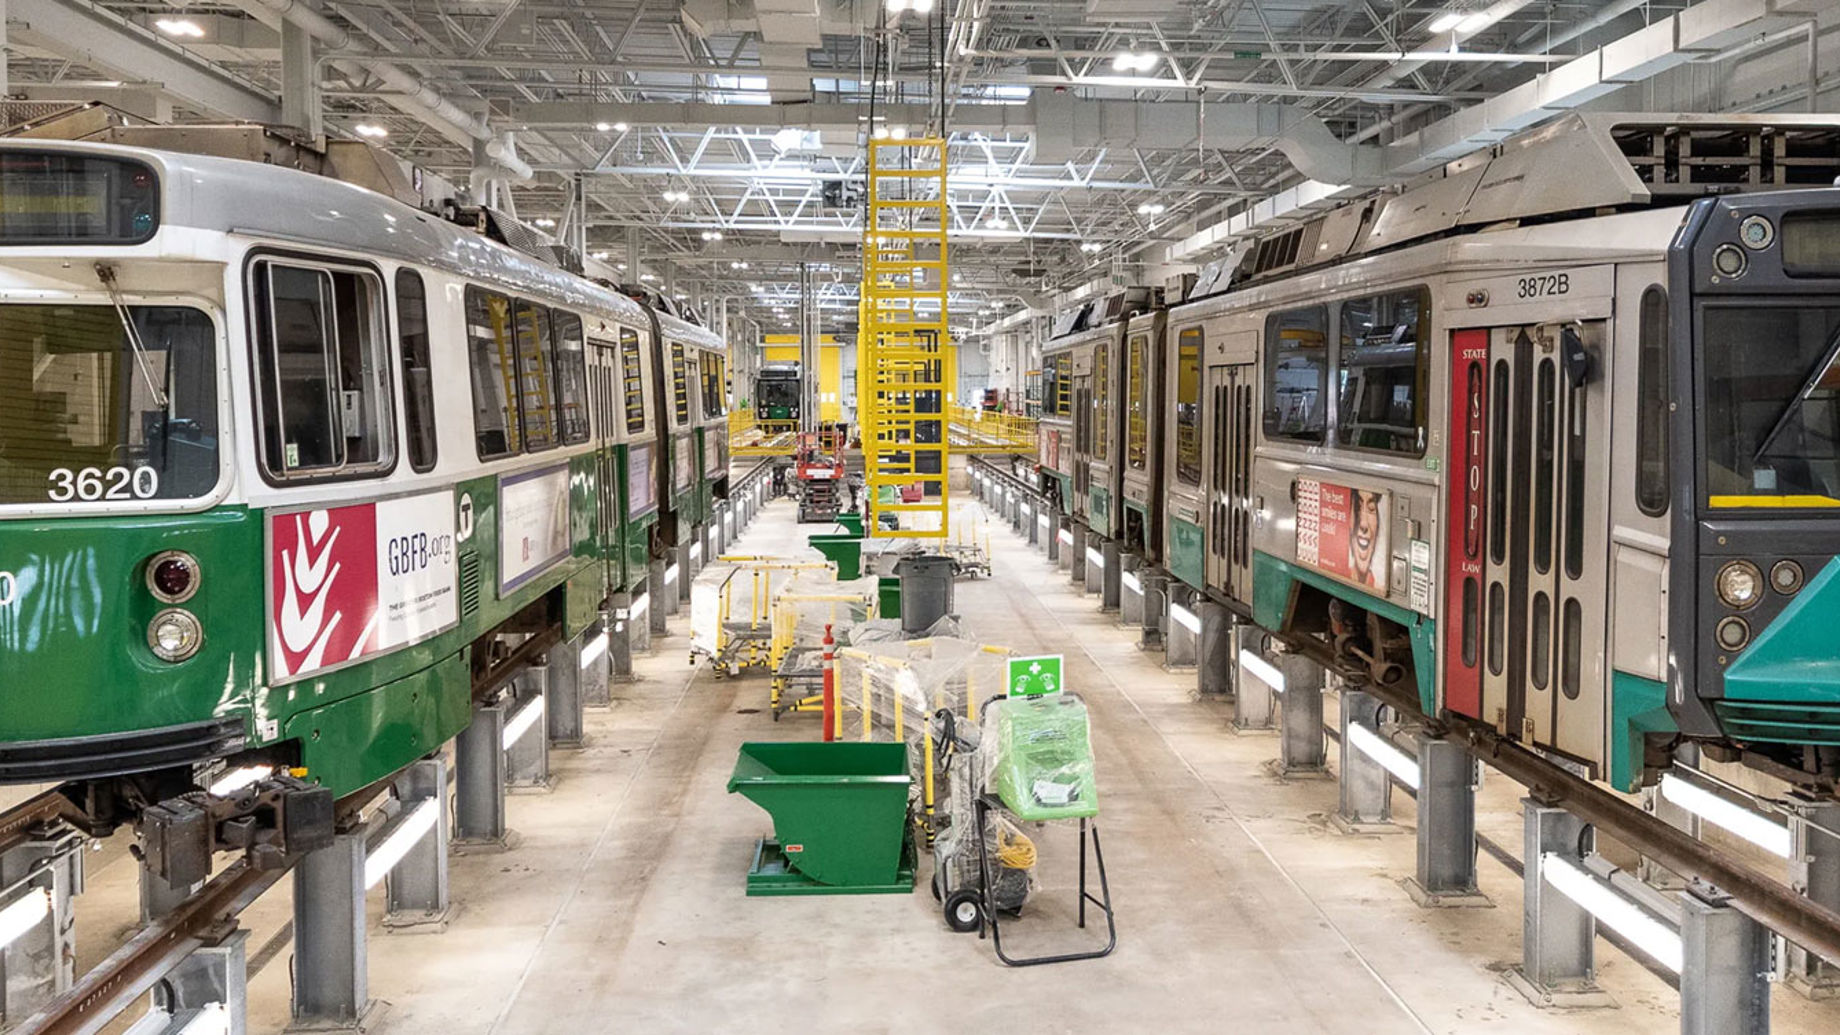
(888, 596)
(839, 817)
(846, 550)
(851, 522)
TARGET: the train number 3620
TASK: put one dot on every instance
(95, 483)
(1543, 286)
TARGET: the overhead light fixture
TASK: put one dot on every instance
(546, 223)
(1150, 208)
(1133, 61)
(620, 127)
(181, 27)
(602, 127)
(1092, 246)
(712, 235)
(997, 223)
(737, 265)
(601, 255)
(676, 195)
(1447, 21)
(1476, 22)
(648, 277)
(879, 133)
(898, 132)
(371, 130)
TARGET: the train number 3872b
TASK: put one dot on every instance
(1543, 286)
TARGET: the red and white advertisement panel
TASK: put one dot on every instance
(349, 582)
(533, 523)
(1342, 532)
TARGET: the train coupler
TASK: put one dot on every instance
(273, 821)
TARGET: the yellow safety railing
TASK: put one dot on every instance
(748, 436)
(987, 431)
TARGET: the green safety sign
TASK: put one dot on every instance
(1032, 677)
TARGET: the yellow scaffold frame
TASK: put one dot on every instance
(907, 369)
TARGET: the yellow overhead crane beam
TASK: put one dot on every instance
(906, 365)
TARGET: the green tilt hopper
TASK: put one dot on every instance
(839, 817)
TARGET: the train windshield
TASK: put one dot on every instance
(99, 403)
(1772, 414)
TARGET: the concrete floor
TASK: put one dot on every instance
(1239, 907)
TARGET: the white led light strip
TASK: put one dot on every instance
(593, 651)
(1613, 910)
(1393, 760)
(1185, 618)
(407, 835)
(1130, 582)
(18, 919)
(521, 723)
(1759, 830)
(1262, 670)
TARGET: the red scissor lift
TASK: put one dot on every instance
(820, 477)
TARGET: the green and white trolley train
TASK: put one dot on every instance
(280, 456)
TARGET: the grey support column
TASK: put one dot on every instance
(1062, 551)
(1446, 825)
(479, 780)
(1075, 553)
(1650, 871)
(686, 570)
(1255, 698)
(1032, 518)
(40, 963)
(1130, 591)
(1300, 716)
(1725, 967)
(331, 980)
(642, 617)
(416, 887)
(1214, 660)
(1366, 798)
(1814, 870)
(1558, 962)
(664, 595)
(212, 980)
(1110, 552)
(589, 656)
(159, 898)
(1183, 634)
(526, 746)
(1156, 610)
(564, 695)
(1095, 566)
(619, 624)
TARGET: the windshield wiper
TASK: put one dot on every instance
(1814, 380)
(106, 274)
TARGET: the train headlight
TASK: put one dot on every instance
(1733, 633)
(1740, 585)
(174, 634)
(1786, 577)
(1756, 232)
(172, 577)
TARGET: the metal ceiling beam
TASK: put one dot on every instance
(91, 36)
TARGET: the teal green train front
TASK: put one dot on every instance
(84, 693)
(1784, 687)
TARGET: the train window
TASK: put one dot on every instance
(1050, 384)
(1063, 385)
(1297, 374)
(641, 480)
(1137, 402)
(418, 374)
(680, 387)
(1188, 406)
(1652, 394)
(1772, 410)
(536, 377)
(571, 376)
(1472, 621)
(492, 358)
(1540, 643)
(1101, 400)
(1545, 455)
(632, 378)
(715, 386)
(1571, 647)
(88, 416)
(1498, 465)
(1575, 487)
(1498, 628)
(325, 391)
(1382, 366)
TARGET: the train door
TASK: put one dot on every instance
(1526, 550)
(1229, 433)
(604, 402)
(1082, 432)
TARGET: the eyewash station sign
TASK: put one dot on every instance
(1034, 677)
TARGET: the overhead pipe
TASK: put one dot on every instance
(411, 94)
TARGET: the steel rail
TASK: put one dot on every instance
(18, 823)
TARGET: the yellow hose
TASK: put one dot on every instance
(1014, 850)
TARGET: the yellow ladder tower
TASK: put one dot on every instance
(906, 366)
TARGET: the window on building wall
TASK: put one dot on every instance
(324, 373)
(1382, 370)
(1297, 374)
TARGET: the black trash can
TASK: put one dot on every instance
(926, 590)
